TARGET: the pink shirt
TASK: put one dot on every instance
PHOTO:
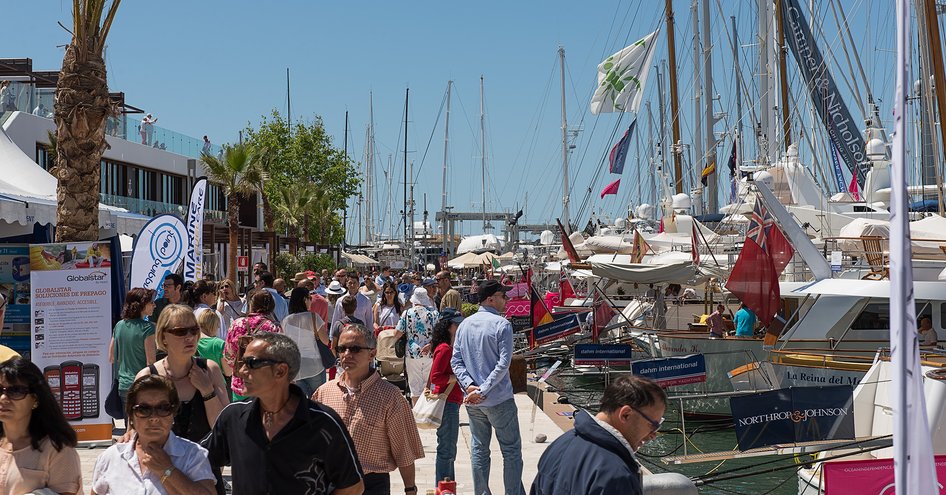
(319, 306)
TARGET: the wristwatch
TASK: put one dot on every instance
(209, 396)
(410, 489)
(167, 474)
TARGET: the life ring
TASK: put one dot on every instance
(937, 374)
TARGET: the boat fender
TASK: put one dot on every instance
(937, 374)
(668, 484)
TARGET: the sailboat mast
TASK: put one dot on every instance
(446, 143)
(736, 69)
(783, 74)
(698, 151)
(486, 225)
(710, 150)
(407, 95)
(939, 74)
(566, 220)
(369, 172)
(674, 107)
(288, 102)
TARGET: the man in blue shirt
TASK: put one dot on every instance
(745, 321)
(264, 281)
(482, 353)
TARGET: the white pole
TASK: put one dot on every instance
(914, 469)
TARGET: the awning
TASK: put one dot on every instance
(926, 291)
(359, 259)
(669, 273)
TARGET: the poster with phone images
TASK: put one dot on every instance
(71, 323)
(15, 287)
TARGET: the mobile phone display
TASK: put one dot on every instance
(90, 390)
(52, 375)
(72, 389)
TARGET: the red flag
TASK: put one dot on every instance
(565, 290)
(767, 235)
(567, 243)
(602, 315)
(853, 189)
(611, 188)
(754, 281)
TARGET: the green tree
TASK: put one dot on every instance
(237, 172)
(303, 152)
(81, 110)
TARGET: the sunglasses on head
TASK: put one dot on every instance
(161, 410)
(183, 331)
(255, 363)
(354, 349)
(15, 392)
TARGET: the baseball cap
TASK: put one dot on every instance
(490, 287)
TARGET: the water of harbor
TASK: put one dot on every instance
(746, 473)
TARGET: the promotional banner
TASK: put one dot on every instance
(72, 328)
(668, 372)
(15, 287)
(557, 329)
(793, 415)
(602, 355)
(158, 251)
(869, 477)
(194, 258)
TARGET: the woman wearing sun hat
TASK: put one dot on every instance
(417, 323)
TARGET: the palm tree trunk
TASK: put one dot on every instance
(233, 226)
(81, 110)
(268, 217)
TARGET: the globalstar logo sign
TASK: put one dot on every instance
(92, 277)
(794, 416)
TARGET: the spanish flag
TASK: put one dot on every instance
(707, 171)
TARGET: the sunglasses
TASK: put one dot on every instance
(654, 425)
(354, 349)
(184, 331)
(161, 410)
(15, 392)
(255, 363)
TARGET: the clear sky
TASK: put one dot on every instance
(212, 66)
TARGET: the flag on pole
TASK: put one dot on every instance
(913, 462)
(618, 154)
(622, 76)
(639, 247)
(603, 313)
(766, 233)
(611, 188)
(733, 174)
(567, 244)
(853, 189)
(565, 289)
(707, 171)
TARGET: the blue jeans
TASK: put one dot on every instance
(504, 418)
(447, 436)
(308, 385)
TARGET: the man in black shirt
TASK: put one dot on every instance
(173, 286)
(280, 441)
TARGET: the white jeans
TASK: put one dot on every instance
(418, 372)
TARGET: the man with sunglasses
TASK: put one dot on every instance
(375, 412)
(482, 353)
(173, 286)
(597, 455)
(280, 441)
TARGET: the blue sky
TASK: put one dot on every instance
(211, 67)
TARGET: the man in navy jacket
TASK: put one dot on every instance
(597, 456)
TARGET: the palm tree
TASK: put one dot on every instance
(81, 110)
(237, 173)
(293, 204)
(264, 157)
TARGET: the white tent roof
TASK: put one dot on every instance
(359, 259)
(485, 242)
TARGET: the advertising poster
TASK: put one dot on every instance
(15, 287)
(72, 327)
(557, 329)
(158, 251)
(869, 476)
(602, 355)
(673, 371)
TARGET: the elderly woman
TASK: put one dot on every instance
(156, 461)
(259, 319)
(37, 445)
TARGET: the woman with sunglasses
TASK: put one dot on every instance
(229, 303)
(259, 319)
(133, 344)
(37, 445)
(303, 327)
(387, 311)
(156, 461)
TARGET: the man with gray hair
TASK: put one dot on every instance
(377, 416)
(279, 441)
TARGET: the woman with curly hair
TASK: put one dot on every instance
(133, 345)
(259, 319)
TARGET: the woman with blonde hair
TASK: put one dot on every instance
(229, 303)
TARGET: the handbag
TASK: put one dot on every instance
(428, 412)
(325, 353)
(113, 402)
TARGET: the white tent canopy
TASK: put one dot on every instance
(359, 259)
(479, 243)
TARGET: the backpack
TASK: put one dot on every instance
(390, 365)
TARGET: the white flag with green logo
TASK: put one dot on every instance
(622, 76)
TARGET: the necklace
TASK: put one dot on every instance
(270, 416)
(170, 373)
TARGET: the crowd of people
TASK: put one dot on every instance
(282, 384)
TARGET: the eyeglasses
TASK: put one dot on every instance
(255, 363)
(354, 349)
(654, 425)
(15, 392)
(183, 331)
(161, 410)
